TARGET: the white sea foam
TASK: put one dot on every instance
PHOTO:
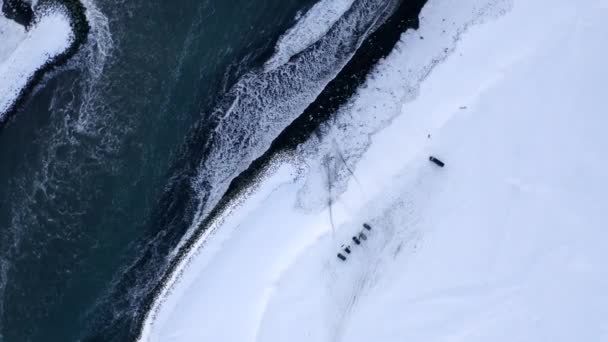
(309, 29)
(262, 104)
(50, 35)
(93, 59)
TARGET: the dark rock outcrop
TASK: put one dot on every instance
(18, 10)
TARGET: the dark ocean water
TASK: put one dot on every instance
(117, 157)
(83, 164)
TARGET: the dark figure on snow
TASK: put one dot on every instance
(437, 161)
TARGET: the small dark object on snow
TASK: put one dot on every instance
(347, 249)
(356, 239)
(437, 161)
(362, 236)
(367, 226)
(342, 257)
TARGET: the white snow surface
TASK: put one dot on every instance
(507, 242)
(311, 27)
(26, 52)
(11, 34)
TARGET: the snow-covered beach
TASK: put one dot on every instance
(507, 242)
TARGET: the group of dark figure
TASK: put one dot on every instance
(362, 237)
(357, 240)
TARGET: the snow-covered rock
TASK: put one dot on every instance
(26, 52)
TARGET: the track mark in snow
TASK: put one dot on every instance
(343, 284)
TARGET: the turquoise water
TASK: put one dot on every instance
(84, 164)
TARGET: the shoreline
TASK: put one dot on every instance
(336, 94)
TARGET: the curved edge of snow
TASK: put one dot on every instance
(284, 169)
(50, 37)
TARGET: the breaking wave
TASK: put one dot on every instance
(310, 28)
(263, 103)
